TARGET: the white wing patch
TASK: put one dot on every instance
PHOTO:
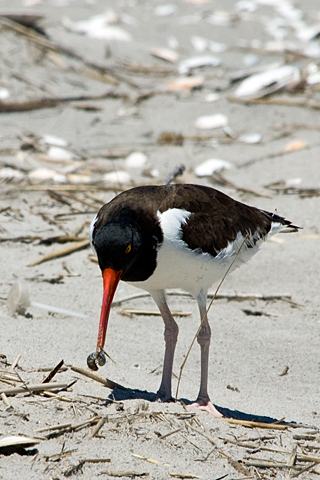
(171, 222)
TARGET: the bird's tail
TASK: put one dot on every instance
(281, 224)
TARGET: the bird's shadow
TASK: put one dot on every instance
(122, 394)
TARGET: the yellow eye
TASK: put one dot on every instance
(128, 249)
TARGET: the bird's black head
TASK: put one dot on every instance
(117, 245)
(123, 245)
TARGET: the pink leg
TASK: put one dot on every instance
(204, 336)
(171, 331)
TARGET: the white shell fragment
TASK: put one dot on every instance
(211, 166)
(165, 54)
(268, 82)
(42, 174)
(220, 17)
(53, 140)
(4, 93)
(59, 153)
(119, 177)
(97, 26)
(196, 62)
(250, 138)
(11, 173)
(18, 441)
(184, 83)
(211, 121)
(165, 10)
(136, 160)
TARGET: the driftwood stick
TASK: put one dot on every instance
(98, 378)
(38, 387)
(61, 253)
(246, 423)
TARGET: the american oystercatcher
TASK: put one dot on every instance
(175, 236)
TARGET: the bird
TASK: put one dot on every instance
(182, 236)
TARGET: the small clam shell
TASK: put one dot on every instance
(268, 82)
(211, 121)
(42, 174)
(95, 359)
(184, 83)
(119, 177)
(17, 441)
(59, 153)
(196, 62)
(165, 54)
(136, 160)
(211, 166)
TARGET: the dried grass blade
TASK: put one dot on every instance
(61, 253)
(246, 423)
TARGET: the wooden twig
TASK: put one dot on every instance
(51, 102)
(61, 253)
(136, 311)
(15, 363)
(286, 102)
(238, 297)
(5, 399)
(71, 426)
(96, 428)
(98, 378)
(247, 423)
(53, 372)
(34, 388)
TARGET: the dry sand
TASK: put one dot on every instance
(265, 363)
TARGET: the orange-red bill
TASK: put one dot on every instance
(111, 279)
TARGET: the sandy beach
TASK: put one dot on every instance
(110, 95)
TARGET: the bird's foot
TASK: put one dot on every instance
(205, 405)
(164, 397)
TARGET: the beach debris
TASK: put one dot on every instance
(295, 145)
(176, 172)
(4, 93)
(250, 138)
(63, 251)
(201, 44)
(137, 311)
(17, 441)
(261, 84)
(59, 153)
(220, 18)
(170, 138)
(43, 174)
(95, 359)
(49, 139)
(184, 83)
(95, 376)
(19, 300)
(165, 10)
(9, 173)
(211, 166)
(185, 66)
(36, 388)
(99, 26)
(136, 160)
(118, 177)
(212, 97)
(165, 54)
(206, 122)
